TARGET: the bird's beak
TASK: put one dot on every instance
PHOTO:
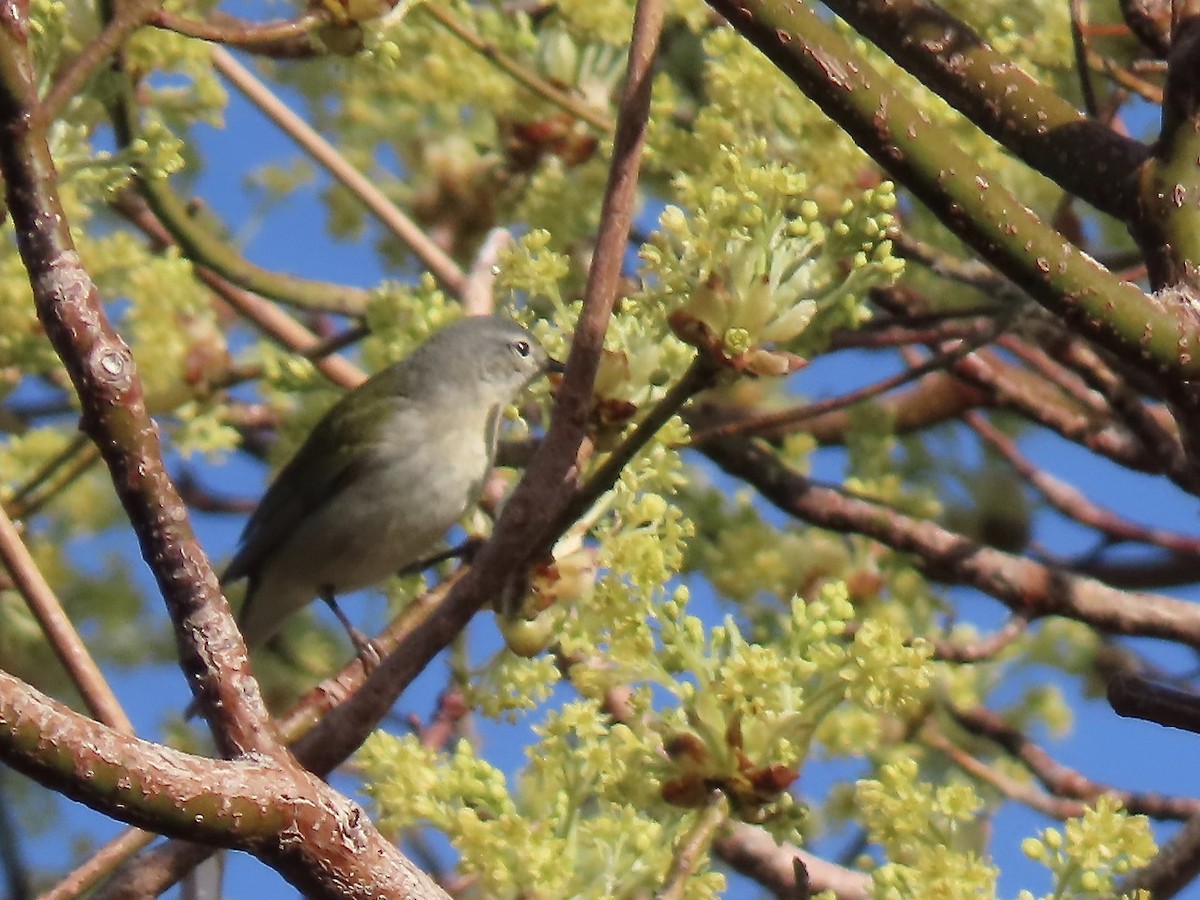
(554, 367)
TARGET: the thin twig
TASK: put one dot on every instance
(982, 648)
(1061, 780)
(519, 73)
(1079, 43)
(286, 37)
(268, 317)
(64, 640)
(19, 501)
(443, 268)
(1047, 367)
(1074, 503)
(971, 272)
(692, 847)
(99, 865)
(885, 334)
(1152, 424)
(1127, 79)
(285, 330)
(1014, 789)
(127, 19)
(1044, 404)
(1028, 588)
(756, 854)
(778, 423)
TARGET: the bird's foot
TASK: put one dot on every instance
(370, 653)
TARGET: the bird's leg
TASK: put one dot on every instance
(466, 551)
(368, 651)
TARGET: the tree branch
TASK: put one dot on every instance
(64, 640)
(318, 840)
(433, 257)
(1155, 333)
(1027, 117)
(113, 407)
(756, 854)
(1028, 588)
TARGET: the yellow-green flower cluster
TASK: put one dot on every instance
(91, 175)
(611, 761)
(605, 20)
(456, 78)
(885, 672)
(201, 428)
(641, 357)
(639, 536)
(592, 64)
(578, 824)
(750, 266)
(181, 103)
(929, 835)
(871, 442)
(478, 148)
(534, 271)
(564, 199)
(50, 36)
(746, 558)
(748, 711)
(519, 681)
(595, 600)
(86, 504)
(22, 342)
(171, 326)
(743, 94)
(285, 372)
(1093, 850)
(415, 780)
(401, 316)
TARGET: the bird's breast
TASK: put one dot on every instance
(438, 461)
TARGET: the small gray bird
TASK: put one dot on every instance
(384, 474)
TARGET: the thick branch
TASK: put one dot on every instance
(275, 810)
(114, 414)
(1170, 232)
(1085, 157)
(1159, 335)
(1028, 588)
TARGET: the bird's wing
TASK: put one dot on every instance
(340, 448)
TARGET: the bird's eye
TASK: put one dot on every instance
(521, 348)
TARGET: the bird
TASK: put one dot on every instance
(384, 474)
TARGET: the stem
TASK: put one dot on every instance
(439, 263)
(60, 633)
(518, 72)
